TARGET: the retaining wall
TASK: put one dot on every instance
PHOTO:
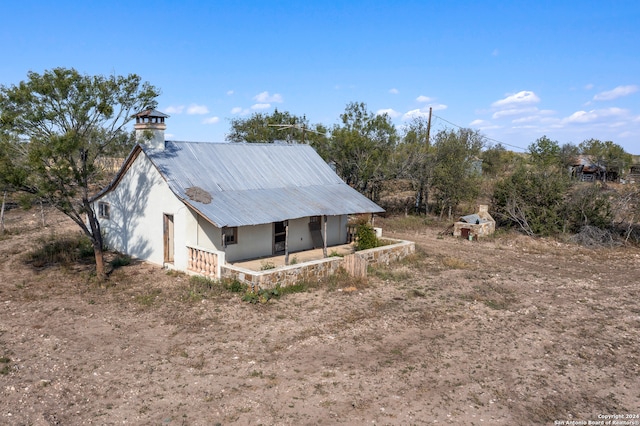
(315, 270)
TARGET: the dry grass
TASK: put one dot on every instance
(508, 330)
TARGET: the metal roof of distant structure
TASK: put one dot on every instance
(473, 218)
(251, 184)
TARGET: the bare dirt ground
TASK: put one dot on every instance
(505, 331)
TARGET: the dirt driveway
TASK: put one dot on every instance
(506, 331)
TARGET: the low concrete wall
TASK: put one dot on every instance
(315, 270)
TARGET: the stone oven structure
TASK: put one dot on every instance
(475, 225)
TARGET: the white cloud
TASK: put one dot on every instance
(422, 112)
(513, 111)
(483, 125)
(588, 86)
(236, 110)
(174, 109)
(616, 93)
(195, 109)
(422, 98)
(389, 111)
(594, 115)
(527, 119)
(580, 117)
(394, 91)
(211, 120)
(523, 97)
(265, 97)
(260, 106)
(229, 92)
(415, 113)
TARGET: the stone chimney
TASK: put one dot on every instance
(483, 212)
(150, 128)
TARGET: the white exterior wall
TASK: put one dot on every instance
(300, 236)
(253, 241)
(337, 230)
(257, 240)
(137, 206)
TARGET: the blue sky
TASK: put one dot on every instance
(515, 70)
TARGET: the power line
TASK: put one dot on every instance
(485, 137)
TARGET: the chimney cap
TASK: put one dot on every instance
(150, 113)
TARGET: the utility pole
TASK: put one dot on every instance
(421, 190)
(429, 125)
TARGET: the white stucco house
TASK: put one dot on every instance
(180, 203)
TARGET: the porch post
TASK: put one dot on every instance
(286, 242)
(324, 239)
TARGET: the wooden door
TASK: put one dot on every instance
(168, 238)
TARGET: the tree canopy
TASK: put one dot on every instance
(277, 126)
(456, 174)
(607, 154)
(360, 146)
(545, 152)
(55, 126)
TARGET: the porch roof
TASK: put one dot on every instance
(239, 184)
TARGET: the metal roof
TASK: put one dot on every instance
(252, 184)
(473, 218)
(151, 113)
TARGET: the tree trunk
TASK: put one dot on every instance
(100, 270)
(418, 199)
(4, 199)
(42, 214)
(96, 240)
(426, 199)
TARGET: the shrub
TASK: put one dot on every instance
(120, 260)
(200, 288)
(263, 295)
(365, 236)
(532, 199)
(266, 265)
(589, 206)
(61, 251)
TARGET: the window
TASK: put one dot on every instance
(103, 210)
(230, 235)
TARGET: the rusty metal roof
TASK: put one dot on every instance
(252, 184)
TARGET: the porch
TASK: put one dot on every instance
(309, 265)
(272, 262)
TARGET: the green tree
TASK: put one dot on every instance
(569, 154)
(589, 205)
(607, 154)
(413, 159)
(455, 176)
(68, 121)
(545, 152)
(277, 126)
(532, 198)
(360, 147)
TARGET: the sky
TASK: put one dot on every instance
(513, 70)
